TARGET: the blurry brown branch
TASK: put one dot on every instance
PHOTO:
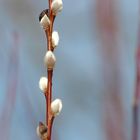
(135, 106)
(108, 31)
(136, 97)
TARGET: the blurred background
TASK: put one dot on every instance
(94, 74)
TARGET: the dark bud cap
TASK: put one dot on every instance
(46, 11)
(42, 128)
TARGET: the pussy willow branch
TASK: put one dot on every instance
(48, 94)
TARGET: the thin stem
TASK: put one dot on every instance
(48, 94)
(47, 37)
(49, 121)
(51, 25)
(50, 2)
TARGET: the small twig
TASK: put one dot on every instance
(52, 108)
(50, 2)
(48, 101)
(49, 117)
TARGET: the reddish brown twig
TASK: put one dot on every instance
(48, 94)
(49, 117)
(46, 19)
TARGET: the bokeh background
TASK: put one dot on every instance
(94, 74)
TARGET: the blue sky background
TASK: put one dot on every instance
(82, 78)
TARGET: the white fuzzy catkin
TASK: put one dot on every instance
(50, 60)
(43, 82)
(45, 22)
(55, 39)
(57, 6)
(38, 131)
(56, 107)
